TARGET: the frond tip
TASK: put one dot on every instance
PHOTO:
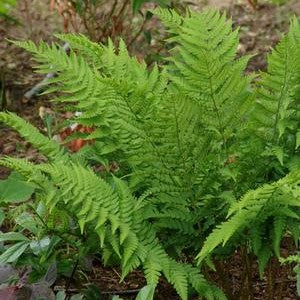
(46, 146)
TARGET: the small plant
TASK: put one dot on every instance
(208, 157)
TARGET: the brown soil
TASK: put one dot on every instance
(278, 282)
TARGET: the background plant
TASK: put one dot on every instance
(101, 20)
(5, 7)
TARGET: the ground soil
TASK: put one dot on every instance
(260, 31)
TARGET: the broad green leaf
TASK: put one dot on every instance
(12, 236)
(40, 246)
(13, 252)
(14, 189)
(54, 241)
(61, 295)
(146, 293)
(27, 221)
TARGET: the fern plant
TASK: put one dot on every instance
(276, 120)
(191, 138)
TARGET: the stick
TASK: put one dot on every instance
(122, 292)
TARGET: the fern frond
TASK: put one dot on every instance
(170, 18)
(279, 226)
(276, 110)
(203, 65)
(110, 212)
(22, 166)
(92, 50)
(46, 146)
(176, 274)
(200, 284)
(255, 203)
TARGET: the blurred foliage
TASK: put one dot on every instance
(5, 6)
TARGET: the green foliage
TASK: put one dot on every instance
(5, 6)
(146, 293)
(45, 145)
(277, 110)
(15, 189)
(277, 203)
(115, 216)
(190, 138)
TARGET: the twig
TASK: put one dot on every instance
(122, 292)
(133, 291)
(122, 9)
(113, 9)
